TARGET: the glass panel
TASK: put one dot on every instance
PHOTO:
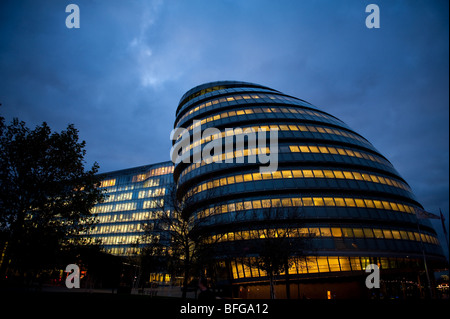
(355, 263)
(396, 234)
(325, 232)
(334, 263)
(336, 232)
(358, 232)
(308, 173)
(387, 234)
(312, 265)
(348, 232)
(323, 264)
(350, 202)
(328, 201)
(307, 201)
(318, 201)
(368, 233)
(339, 202)
(313, 231)
(345, 263)
(378, 233)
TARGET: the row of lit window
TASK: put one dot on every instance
(153, 172)
(248, 267)
(229, 155)
(99, 209)
(204, 91)
(127, 217)
(117, 228)
(155, 192)
(118, 197)
(307, 202)
(292, 148)
(335, 151)
(256, 110)
(108, 182)
(303, 173)
(153, 204)
(123, 188)
(336, 232)
(238, 97)
(119, 240)
(122, 250)
(255, 129)
(151, 182)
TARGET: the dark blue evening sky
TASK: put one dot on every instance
(119, 77)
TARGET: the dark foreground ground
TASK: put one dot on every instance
(16, 303)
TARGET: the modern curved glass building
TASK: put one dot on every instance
(334, 200)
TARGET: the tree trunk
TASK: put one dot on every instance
(186, 273)
(288, 285)
(272, 287)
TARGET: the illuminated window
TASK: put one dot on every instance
(332, 150)
(396, 234)
(360, 203)
(318, 173)
(323, 264)
(368, 233)
(307, 173)
(311, 264)
(336, 232)
(369, 203)
(329, 201)
(307, 201)
(339, 201)
(338, 174)
(378, 233)
(286, 202)
(348, 175)
(387, 234)
(334, 263)
(257, 204)
(318, 201)
(355, 263)
(266, 203)
(325, 232)
(304, 149)
(350, 202)
(378, 204)
(358, 232)
(297, 202)
(313, 231)
(328, 174)
(297, 173)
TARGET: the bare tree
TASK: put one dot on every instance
(172, 237)
(278, 244)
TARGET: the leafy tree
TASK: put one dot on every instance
(46, 195)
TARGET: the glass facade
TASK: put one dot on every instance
(132, 197)
(332, 187)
